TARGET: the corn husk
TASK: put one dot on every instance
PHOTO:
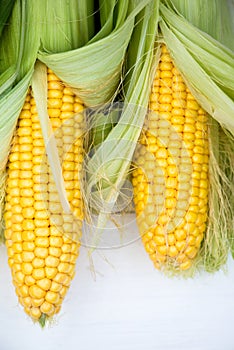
(98, 63)
(108, 167)
(6, 8)
(212, 17)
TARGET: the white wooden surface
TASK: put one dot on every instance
(128, 306)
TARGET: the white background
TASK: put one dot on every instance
(126, 304)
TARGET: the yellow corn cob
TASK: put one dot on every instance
(42, 242)
(170, 180)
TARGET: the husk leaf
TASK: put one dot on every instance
(108, 168)
(98, 64)
(6, 8)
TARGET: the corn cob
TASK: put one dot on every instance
(42, 242)
(170, 179)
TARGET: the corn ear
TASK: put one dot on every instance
(171, 176)
(42, 240)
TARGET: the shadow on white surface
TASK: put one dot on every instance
(129, 305)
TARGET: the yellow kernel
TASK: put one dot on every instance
(28, 212)
(42, 242)
(52, 297)
(23, 291)
(180, 245)
(60, 278)
(52, 261)
(38, 262)
(191, 240)
(41, 214)
(47, 308)
(63, 291)
(15, 266)
(38, 274)
(57, 251)
(180, 234)
(65, 257)
(63, 267)
(13, 183)
(162, 249)
(28, 246)
(199, 239)
(191, 251)
(54, 231)
(29, 280)
(26, 202)
(170, 203)
(16, 236)
(28, 235)
(54, 103)
(53, 112)
(73, 258)
(56, 241)
(19, 277)
(27, 256)
(28, 225)
(36, 292)
(35, 313)
(54, 93)
(172, 251)
(14, 165)
(41, 223)
(41, 252)
(14, 226)
(171, 239)
(50, 272)
(159, 240)
(17, 218)
(55, 287)
(185, 265)
(40, 205)
(42, 231)
(27, 301)
(203, 193)
(37, 302)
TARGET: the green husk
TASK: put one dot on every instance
(99, 63)
(208, 72)
(67, 25)
(6, 8)
(212, 17)
(42, 320)
(108, 168)
(39, 89)
(20, 37)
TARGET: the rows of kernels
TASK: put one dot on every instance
(72, 133)
(41, 254)
(172, 219)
